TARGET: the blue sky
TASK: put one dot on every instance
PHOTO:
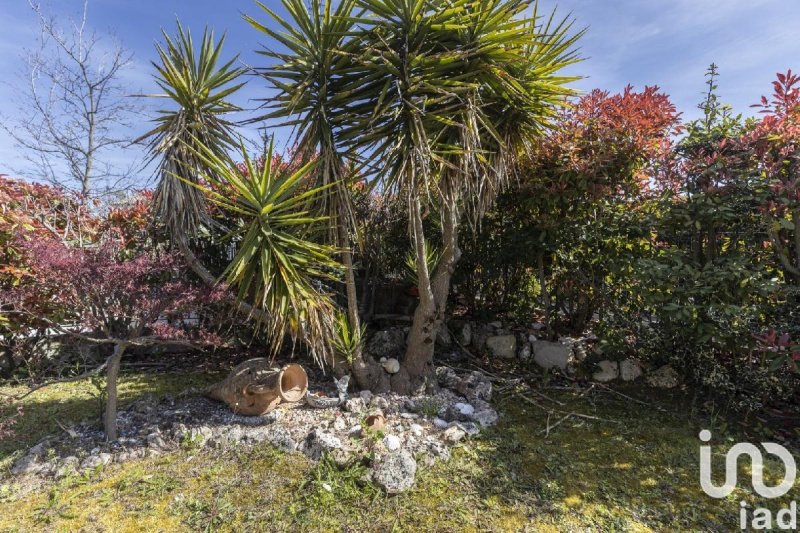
(642, 42)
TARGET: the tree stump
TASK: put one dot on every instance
(254, 388)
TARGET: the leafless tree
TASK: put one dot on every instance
(72, 108)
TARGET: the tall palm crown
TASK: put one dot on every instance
(307, 76)
(464, 80)
(200, 88)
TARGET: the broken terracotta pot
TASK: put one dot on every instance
(375, 422)
(254, 387)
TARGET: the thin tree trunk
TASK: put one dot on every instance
(112, 373)
(430, 313)
(451, 254)
(349, 274)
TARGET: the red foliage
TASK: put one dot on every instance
(776, 142)
(778, 345)
(129, 222)
(97, 293)
(32, 210)
(609, 144)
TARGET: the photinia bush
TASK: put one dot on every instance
(775, 144)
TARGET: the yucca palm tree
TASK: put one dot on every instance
(441, 96)
(458, 88)
(278, 265)
(517, 90)
(306, 75)
(199, 88)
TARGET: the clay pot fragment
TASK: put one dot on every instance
(375, 422)
(254, 388)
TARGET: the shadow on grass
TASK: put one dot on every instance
(66, 404)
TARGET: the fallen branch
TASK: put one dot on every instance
(630, 398)
(579, 415)
(549, 427)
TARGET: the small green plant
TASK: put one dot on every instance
(191, 441)
(347, 340)
(432, 257)
(207, 516)
(54, 508)
(156, 485)
(428, 407)
(330, 483)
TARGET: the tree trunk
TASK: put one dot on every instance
(416, 374)
(451, 254)
(112, 373)
(349, 273)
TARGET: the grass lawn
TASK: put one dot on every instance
(636, 470)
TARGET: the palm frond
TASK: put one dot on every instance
(278, 266)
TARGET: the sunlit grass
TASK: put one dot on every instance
(639, 475)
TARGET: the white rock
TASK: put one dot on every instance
(485, 417)
(318, 442)
(392, 442)
(465, 409)
(551, 354)
(27, 465)
(155, 440)
(453, 434)
(630, 369)
(339, 424)
(355, 405)
(609, 371)
(524, 352)
(503, 346)
(354, 431)
(366, 396)
(379, 402)
(416, 430)
(395, 472)
(392, 366)
(102, 459)
(439, 423)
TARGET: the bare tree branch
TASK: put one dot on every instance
(72, 111)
